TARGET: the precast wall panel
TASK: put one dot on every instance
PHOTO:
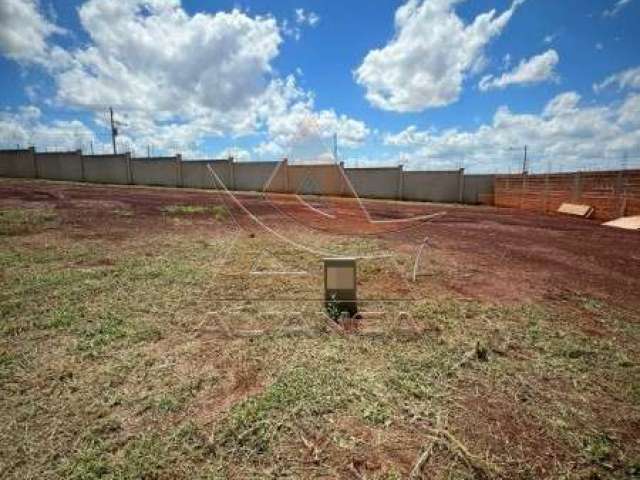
(60, 165)
(196, 174)
(376, 182)
(18, 163)
(159, 171)
(432, 186)
(112, 169)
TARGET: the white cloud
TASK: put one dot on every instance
(175, 78)
(308, 18)
(431, 53)
(410, 136)
(153, 57)
(238, 154)
(630, 111)
(567, 133)
(550, 38)
(24, 31)
(536, 69)
(629, 78)
(269, 150)
(25, 127)
(563, 104)
(302, 18)
(297, 130)
(301, 124)
(599, 46)
(613, 11)
(289, 30)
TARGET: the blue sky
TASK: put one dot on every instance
(429, 84)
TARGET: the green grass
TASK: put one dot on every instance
(218, 212)
(22, 221)
(146, 456)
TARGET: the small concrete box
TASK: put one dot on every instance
(340, 283)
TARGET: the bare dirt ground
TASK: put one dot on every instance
(121, 355)
(500, 254)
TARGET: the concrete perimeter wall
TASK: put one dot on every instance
(478, 189)
(60, 165)
(612, 194)
(161, 171)
(252, 176)
(18, 163)
(113, 169)
(309, 179)
(195, 174)
(317, 180)
(433, 186)
(376, 182)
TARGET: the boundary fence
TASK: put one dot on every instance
(611, 193)
(306, 179)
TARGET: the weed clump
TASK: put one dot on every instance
(23, 221)
(218, 212)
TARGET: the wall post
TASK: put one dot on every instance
(577, 187)
(285, 165)
(232, 174)
(129, 170)
(546, 193)
(621, 194)
(82, 175)
(461, 185)
(341, 193)
(523, 188)
(400, 193)
(34, 159)
(179, 180)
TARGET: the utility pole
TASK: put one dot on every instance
(114, 132)
(525, 165)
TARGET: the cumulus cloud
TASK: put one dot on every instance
(431, 53)
(25, 127)
(24, 31)
(301, 123)
(154, 57)
(566, 133)
(297, 130)
(627, 79)
(616, 8)
(537, 69)
(175, 78)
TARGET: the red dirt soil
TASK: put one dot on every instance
(494, 254)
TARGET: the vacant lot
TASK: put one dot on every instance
(152, 333)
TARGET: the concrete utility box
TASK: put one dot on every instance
(340, 285)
